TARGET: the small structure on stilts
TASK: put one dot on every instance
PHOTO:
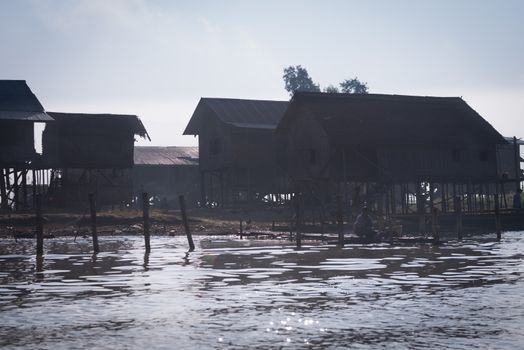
(21, 177)
(410, 158)
(89, 153)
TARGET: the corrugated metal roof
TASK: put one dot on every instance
(112, 121)
(17, 102)
(171, 155)
(397, 119)
(260, 114)
(28, 116)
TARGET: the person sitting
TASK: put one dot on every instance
(517, 199)
(363, 226)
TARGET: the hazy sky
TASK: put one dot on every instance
(157, 58)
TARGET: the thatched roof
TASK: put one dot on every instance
(391, 119)
(101, 122)
(254, 114)
(17, 102)
(169, 156)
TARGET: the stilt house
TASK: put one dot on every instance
(237, 149)
(391, 144)
(19, 110)
(165, 173)
(89, 153)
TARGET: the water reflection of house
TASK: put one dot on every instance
(89, 153)
(237, 148)
(391, 148)
(19, 111)
(166, 173)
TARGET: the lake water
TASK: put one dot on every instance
(261, 294)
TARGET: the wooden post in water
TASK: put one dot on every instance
(516, 150)
(39, 226)
(297, 221)
(24, 187)
(434, 225)
(94, 234)
(186, 224)
(457, 207)
(145, 210)
(340, 221)
(420, 209)
(497, 217)
(241, 231)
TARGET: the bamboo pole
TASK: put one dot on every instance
(145, 212)
(420, 209)
(39, 226)
(434, 225)
(297, 221)
(340, 221)
(497, 217)
(94, 234)
(457, 207)
(186, 224)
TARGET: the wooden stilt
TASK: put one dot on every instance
(240, 229)
(16, 190)
(94, 234)
(182, 200)
(39, 227)
(145, 212)
(33, 186)
(497, 218)
(297, 220)
(431, 196)
(444, 194)
(420, 209)
(24, 188)
(457, 207)
(340, 220)
(3, 190)
(434, 225)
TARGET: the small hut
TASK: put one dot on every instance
(19, 110)
(89, 153)
(237, 149)
(165, 173)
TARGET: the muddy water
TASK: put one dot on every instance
(231, 294)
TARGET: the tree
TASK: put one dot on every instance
(353, 86)
(332, 89)
(297, 79)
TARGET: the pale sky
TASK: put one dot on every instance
(157, 58)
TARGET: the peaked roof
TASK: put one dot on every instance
(17, 102)
(257, 114)
(102, 121)
(377, 118)
(171, 155)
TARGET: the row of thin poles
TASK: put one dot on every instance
(15, 183)
(93, 216)
(457, 209)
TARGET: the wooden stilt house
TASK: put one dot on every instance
(89, 153)
(392, 150)
(237, 149)
(19, 111)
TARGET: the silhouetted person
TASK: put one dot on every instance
(363, 226)
(517, 199)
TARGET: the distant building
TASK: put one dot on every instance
(237, 149)
(89, 153)
(389, 142)
(165, 173)
(19, 110)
